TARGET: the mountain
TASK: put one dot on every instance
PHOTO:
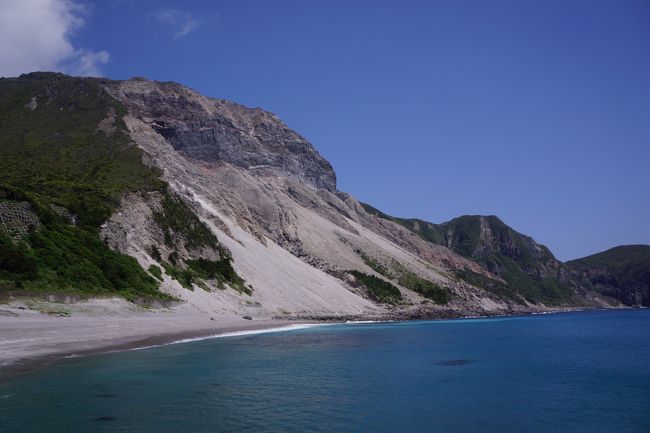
(154, 192)
(530, 269)
(527, 268)
(622, 273)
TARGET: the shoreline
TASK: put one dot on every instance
(30, 363)
(32, 339)
(37, 334)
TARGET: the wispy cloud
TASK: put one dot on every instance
(89, 63)
(35, 35)
(180, 22)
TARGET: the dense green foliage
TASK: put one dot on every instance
(199, 270)
(221, 270)
(56, 152)
(179, 223)
(66, 259)
(156, 272)
(424, 287)
(53, 153)
(184, 276)
(530, 286)
(378, 289)
(17, 262)
(177, 217)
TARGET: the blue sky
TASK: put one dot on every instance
(535, 111)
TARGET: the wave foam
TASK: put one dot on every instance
(365, 322)
(284, 328)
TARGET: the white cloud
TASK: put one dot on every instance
(35, 35)
(180, 22)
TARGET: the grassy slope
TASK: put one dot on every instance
(55, 155)
(621, 257)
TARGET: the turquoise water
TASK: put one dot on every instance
(571, 372)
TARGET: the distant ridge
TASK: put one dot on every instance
(622, 273)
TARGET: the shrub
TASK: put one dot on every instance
(156, 272)
(377, 288)
(424, 287)
(16, 260)
(184, 276)
(176, 217)
(221, 270)
(374, 264)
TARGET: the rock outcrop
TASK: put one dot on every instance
(213, 130)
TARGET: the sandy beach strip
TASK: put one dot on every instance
(29, 336)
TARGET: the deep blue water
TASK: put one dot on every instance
(572, 372)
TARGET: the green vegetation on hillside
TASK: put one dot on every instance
(407, 279)
(56, 152)
(424, 287)
(64, 145)
(621, 257)
(156, 272)
(531, 287)
(17, 263)
(183, 275)
(622, 273)
(177, 217)
(66, 259)
(197, 271)
(526, 267)
(51, 153)
(374, 264)
(420, 285)
(490, 284)
(221, 270)
(378, 289)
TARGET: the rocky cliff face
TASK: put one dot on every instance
(213, 130)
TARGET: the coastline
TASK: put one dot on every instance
(244, 379)
(31, 337)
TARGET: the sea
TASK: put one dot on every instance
(577, 372)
